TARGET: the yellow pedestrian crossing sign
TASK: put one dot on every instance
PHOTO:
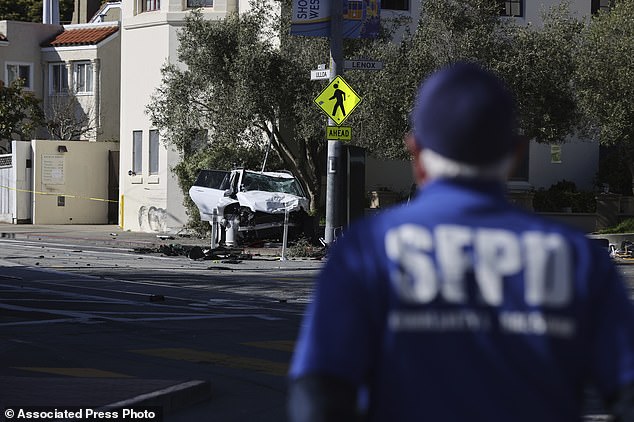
(338, 100)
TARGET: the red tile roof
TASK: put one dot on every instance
(82, 36)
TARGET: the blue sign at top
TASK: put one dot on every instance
(361, 18)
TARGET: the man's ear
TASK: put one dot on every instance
(417, 165)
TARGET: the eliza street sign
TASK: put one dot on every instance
(362, 65)
(319, 74)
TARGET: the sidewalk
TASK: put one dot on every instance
(113, 236)
(107, 234)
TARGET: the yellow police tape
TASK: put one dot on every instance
(60, 194)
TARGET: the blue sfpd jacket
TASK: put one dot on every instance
(462, 307)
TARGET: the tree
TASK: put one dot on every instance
(538, 64)
(20, 113)
(535, 61)
(382, 120)
(240, 88)
(31, 10)
(605, 79)
(67, 120)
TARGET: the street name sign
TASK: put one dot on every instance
(338, 133)
(319, 74)
(338, 100)
(362, 65)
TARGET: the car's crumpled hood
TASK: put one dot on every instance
(271, 202)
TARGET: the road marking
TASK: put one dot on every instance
(72, 250)
(280, 345)
(4, 263)
(75, 372)
(49, 321)
(220, 359)
(293, 278)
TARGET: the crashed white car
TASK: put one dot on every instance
(253, 202)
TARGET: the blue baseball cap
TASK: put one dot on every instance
(465, 113)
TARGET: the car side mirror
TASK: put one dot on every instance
(228, 192)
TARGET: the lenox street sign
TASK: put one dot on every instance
(362, 65)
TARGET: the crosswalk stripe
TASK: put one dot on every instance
(280, 345)
(220, 359)
(75, 372)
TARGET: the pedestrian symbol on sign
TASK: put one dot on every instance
(338, 100)
(340, 97)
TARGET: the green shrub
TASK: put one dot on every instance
(563, 195)
(303, 248)
(625, 226)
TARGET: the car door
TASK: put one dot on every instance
(207, 190)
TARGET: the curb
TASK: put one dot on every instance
(103, 393)
(170, 399)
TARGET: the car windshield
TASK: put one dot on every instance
(263, 182)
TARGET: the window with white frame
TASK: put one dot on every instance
(83, 77)
(200, 3)
(58, 78)
(514, 8)
(137, 152)
(15, 71)
(600, 5)
(555, 154)
(150, 5)
(154, 152)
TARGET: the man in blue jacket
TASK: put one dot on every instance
(460, 306)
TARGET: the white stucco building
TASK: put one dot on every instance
(150, 198)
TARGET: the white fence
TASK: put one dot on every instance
(15, 184)
(7, 190)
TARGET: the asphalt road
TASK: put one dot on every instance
(101, 312)
(87, 310)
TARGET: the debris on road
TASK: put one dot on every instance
(197, 252)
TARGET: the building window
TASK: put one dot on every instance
(154, 152)
(395, 4)
(555, 154)
(514, 8)
(137, 152)
(200, 3)
(15, 71)
(83, 77)
(58, 78)
(600, 5)
(150, 5)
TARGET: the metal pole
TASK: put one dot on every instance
(334, 147)
(285, 235)
(268, 148)
(214, 228)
